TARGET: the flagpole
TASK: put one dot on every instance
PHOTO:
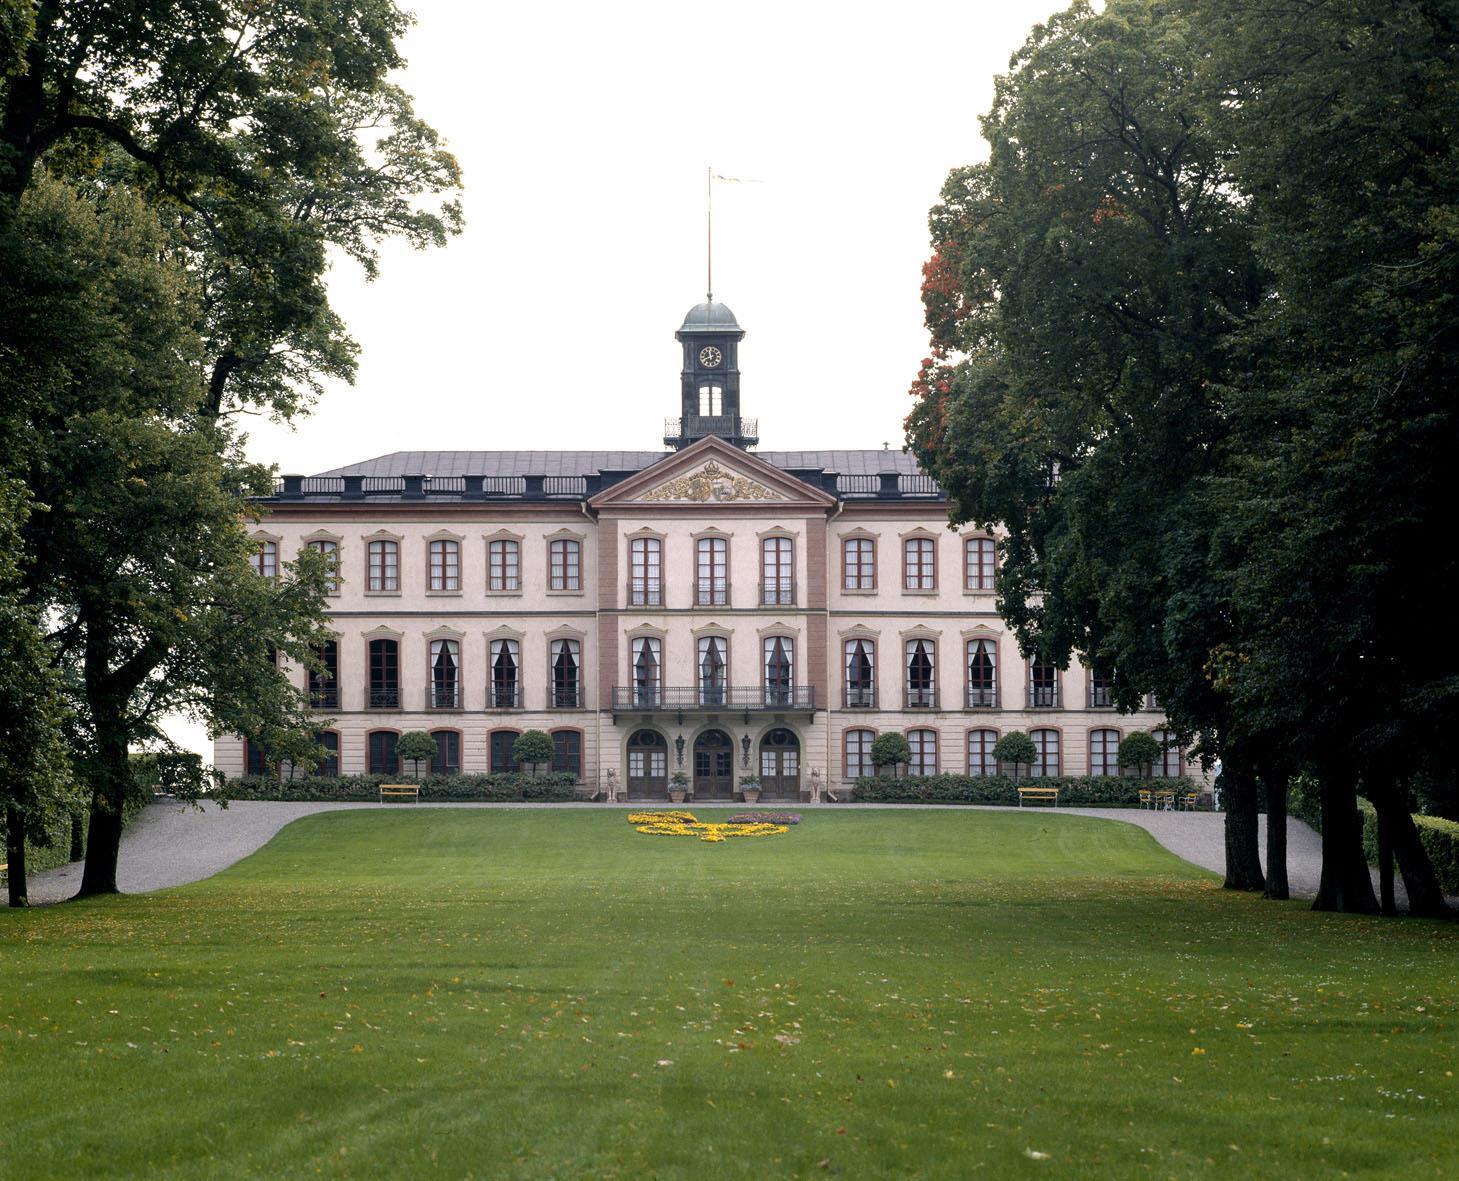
(709, 232)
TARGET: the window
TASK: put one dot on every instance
(1169, 765)
(921, 675)
(978, 554)
(384, 674)
(648, 757)
(779, 670)
(380, 748)
(777, 572)
(445, 690)
(858, 564)
(330, 550)
(1043, 685)
(499, 746)
(711, 583)
(448, 752)
(567, 751)
(266, 559)
(858, 754)
(445, 565)
(919, 564)
(506, 663)
(565, 565)
(648, 656)
(860, 674)
(1104, 752)
(329, 764)
(980, 752)
(711, 401)
(713, 670)
(255, 762)
(384, 571)
(645, 563)
(566, 657)
(323, 683)
(503, 566)
(1046, 747)
(924, 753)
(1101, 689)
(983, 674)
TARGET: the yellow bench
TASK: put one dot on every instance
(400, 791)
(1038, 793)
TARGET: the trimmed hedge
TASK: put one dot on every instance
(1111, 791)
(554, 788)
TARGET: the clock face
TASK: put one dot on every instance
(709, 357)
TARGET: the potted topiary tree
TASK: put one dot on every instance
(533, 749)
(1139, 751)
(1017, 749)
(750, 788)
(678, 787)
(890, 750)
(416, 746)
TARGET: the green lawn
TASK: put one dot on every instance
(492, 994)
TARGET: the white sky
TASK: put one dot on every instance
(583, 131)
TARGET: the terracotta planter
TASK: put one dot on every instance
(677, 794)
(752, 795)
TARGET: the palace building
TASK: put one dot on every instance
(709, 608)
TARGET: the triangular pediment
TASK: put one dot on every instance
(712, 471)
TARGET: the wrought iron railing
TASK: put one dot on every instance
(859, 697)
(1043, 697)
(383, 696)
(919, 697)
(443, 696)
(982, 697)
(699, 697)
(564, 697)
(324, 696)
(504, 695)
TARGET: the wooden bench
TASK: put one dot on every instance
(1038, 793)
(400, 791)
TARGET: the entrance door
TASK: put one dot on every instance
(501, 751)
(780, 766)
(714, 766)
(648, 766)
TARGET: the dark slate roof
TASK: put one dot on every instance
(710, 317)
(586, 463)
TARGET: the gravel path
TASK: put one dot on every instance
(171, 844)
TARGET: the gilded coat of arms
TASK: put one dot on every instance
(711, 483)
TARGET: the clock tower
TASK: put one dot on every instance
(710, 381)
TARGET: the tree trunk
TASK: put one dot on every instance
(1243, 855)
(15, 855)
(1346, 884)
(1387, 903)
(112, 774)
(78, 834)
(1425, 895)
(1276, 835)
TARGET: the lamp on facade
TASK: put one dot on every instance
(679, 749)
(745, 750)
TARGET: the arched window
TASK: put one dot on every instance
(380, 750)
(921, 687)
(983, 674)
(1043, 685)
(384, 566)
(924, 753)
(711, 583)
(506, 682)
(713, 670)
(857, 764)
(1171, 763)
(503, 566)
(445, 691)
(648, 657)
(648, 763)
(860, 674)
(1046, 746)
(919, 564)
(329, 764)
(1104, 752)
(384, 674)
(858, 564)
(566, 657)
(323, 682)
(266, 559)
(567, 751)
(445, 565)
(980, 752)
(978, 565)
(711, 401)
(777, 572)
(330, 550)
(564, 565)
(499, 746)
(645, 572)
(779, 670)
(448, 752)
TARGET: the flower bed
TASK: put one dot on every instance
(686, 824)
(764, 818)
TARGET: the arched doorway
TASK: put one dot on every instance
(780, 765)
(714, 766)
(648, 765)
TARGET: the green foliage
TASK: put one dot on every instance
(1139, 750)
(415, 746)
(553, 787)
(532, 746)
(1108, 791)
(890, 748)
(1016, 749)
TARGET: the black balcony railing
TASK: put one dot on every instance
(1043, 697)
(860, 697)
(1100, 696)
(443, 696)
(504, 695)
(565, 697)
(383, 696)
(777, 592)
(700, 697)
(711, 592)
(982, 697)
(324, 697)
(645, 592)
(919, 697)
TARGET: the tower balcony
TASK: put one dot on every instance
(742, 432)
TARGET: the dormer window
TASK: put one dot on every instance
(711, 401)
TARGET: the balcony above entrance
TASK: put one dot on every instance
(646, 701)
